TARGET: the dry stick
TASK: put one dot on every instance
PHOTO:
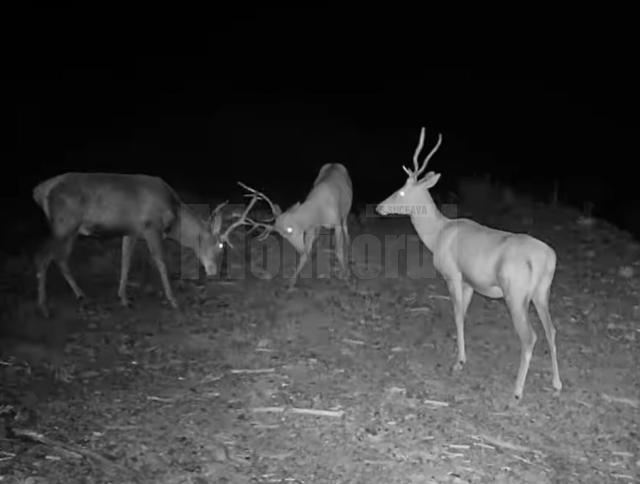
(250, 371)
(41, 439)
(627, 401)
(507, 445)
(301, 411)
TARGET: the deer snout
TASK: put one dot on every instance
(382, 209)
(210, 266)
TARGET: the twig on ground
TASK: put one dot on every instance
(250, 371)
(160, 399)
(33, 436)
(6, 455)
(419, 309)
(498, 442)
(435, 403)
(300, 411)
(353, 341)
(632, 402)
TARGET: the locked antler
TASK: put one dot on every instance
(275, 210)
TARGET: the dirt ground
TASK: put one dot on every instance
(333, 382)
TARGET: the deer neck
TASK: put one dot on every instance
(307, 215)
(188, 229)
(428, 222)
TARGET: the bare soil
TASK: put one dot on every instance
(335, 382)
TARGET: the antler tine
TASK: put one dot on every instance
(267, 228)
(431, 153)
(274, 210)
(417, 152)
(219, 206)
(242, 220)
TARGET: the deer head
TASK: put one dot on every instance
(287, 225)
(213, 240)
(413, 196)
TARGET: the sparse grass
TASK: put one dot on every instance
(155, 392)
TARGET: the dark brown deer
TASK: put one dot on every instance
(129, 205)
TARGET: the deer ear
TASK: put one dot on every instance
(216, 223)
(430, 180)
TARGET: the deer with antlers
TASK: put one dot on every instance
(327, 205)
(129, 205)
(472, 257)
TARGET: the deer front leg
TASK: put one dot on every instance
(128, 244)
(155, 247)
(62, 258)
(309, 238)
(339, 236)
(42, 261)
(461, 294)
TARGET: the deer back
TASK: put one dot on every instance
(94, 203)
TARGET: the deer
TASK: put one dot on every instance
(327, 205)
(472, 258)
(132, 206)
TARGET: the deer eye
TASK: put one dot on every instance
(220, 245)
(289, 230)
(401, 193)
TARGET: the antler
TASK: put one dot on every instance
(242, 220)
(417, 171)
(275, 210)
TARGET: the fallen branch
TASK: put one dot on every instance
(353, 341)
(435, 403)
(301, 411)
(419, 309)
(632, 402)
(33, 436)
(250, 371)
(505, 445)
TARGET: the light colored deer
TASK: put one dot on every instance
(327, 205)
(472, 257)
(129, 205)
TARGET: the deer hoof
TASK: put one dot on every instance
(458, 366)
(44, 311)
(125, 303)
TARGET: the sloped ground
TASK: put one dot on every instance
(331, 383)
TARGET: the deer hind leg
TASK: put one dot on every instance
(309, 238)
(541, 303)
(155, 247)
(461, 294)
(128, 245)
(518, 307)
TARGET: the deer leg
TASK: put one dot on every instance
(155, 247)
(339, 236)
(541, 303)
(461, 294)
(128, 245)
(518, 308)
(309, 238)
(347, 237)
(62, 258)
(42, 261)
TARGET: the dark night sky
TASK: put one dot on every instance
(267, 96)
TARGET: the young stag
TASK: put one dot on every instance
(472, 257)
(132, 206)
(327, 205)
